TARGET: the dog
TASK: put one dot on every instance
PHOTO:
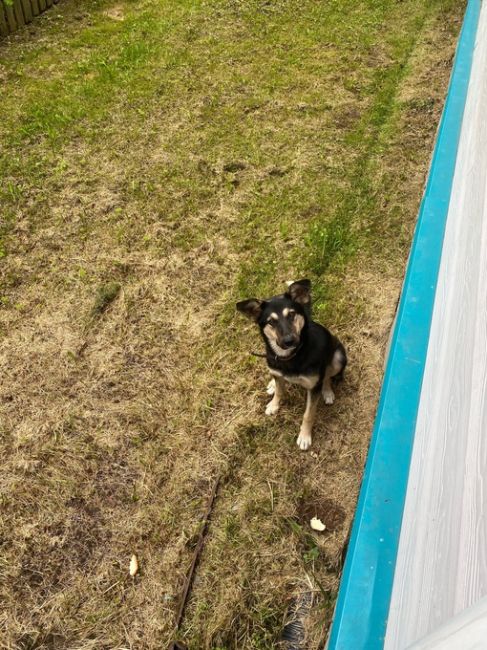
(298, 350)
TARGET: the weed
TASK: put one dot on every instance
(106, 294)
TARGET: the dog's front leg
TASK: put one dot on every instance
(304, 438)
(273, 406)
(271, 387)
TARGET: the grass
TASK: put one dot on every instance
(106, 295)
(158, 162)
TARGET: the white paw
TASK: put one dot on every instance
(328, 396)
(271, 387)
(271, 408)
(304, 441)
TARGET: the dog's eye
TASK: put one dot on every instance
(291, 315)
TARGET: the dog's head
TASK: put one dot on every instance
(282, 319)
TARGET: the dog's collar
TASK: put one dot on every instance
(276, 356)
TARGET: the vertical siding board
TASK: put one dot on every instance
(10, 15)
(35, 7)
(27, 10)
(42, 5)
(4, 29)
(19, 14)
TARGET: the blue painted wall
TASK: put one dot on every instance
(365, 591)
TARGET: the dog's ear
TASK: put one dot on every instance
(300, 291)
(252, 308)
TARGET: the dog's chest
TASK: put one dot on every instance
(306, 381)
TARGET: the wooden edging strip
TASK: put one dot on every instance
(4, 30)
(16, 13)
(27, 10)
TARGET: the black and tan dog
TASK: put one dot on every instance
(298, 350)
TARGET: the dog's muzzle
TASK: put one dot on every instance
(288, 342)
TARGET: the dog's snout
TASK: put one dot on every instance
(288, 341)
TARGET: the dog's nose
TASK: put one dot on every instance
(288, 341)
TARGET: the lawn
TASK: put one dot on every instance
(158, 162)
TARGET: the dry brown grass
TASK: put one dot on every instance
(119, 407)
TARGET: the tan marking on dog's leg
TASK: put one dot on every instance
(336, 365)
(327, 390)
(271, 387)
(333, 369)
(273, 407)
(304, 438)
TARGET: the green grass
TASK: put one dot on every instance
(194, 152)
(106, 294)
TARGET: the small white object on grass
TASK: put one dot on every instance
(317, 524)
(134, 565)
